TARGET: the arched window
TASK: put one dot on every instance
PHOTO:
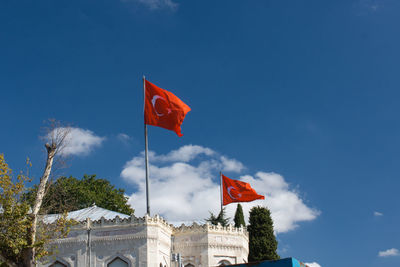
(189, 265)
(223, 263)
(118, 262)
(58, 264)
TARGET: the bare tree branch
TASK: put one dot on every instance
(56, 135)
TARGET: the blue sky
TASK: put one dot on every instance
(298, 97)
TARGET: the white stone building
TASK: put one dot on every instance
(105, 238)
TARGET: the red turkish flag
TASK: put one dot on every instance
(163, 108)
(237, 191)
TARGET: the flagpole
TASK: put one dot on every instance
(220, 187)
(146, 155)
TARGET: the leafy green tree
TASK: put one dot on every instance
(239, 217)
(221, 218)
(68, 194)
(262, 241)
(16, 221)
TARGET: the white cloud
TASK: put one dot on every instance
(377, 213)
(184, 154)
(287, 208)
(79, 141)
(123, 137)
(156, 4)
(231, 165)
(184, 186)
(389, 252)
(313, 264)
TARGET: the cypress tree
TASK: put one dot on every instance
(262, 241)
(239, 217)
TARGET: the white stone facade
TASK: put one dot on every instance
(210, 245)
(148, 241)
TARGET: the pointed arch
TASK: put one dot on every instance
(118, 261)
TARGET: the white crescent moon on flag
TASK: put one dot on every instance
(229, 192)
(153, 101)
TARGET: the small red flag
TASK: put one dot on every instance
(163, 108)
(237, 191)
